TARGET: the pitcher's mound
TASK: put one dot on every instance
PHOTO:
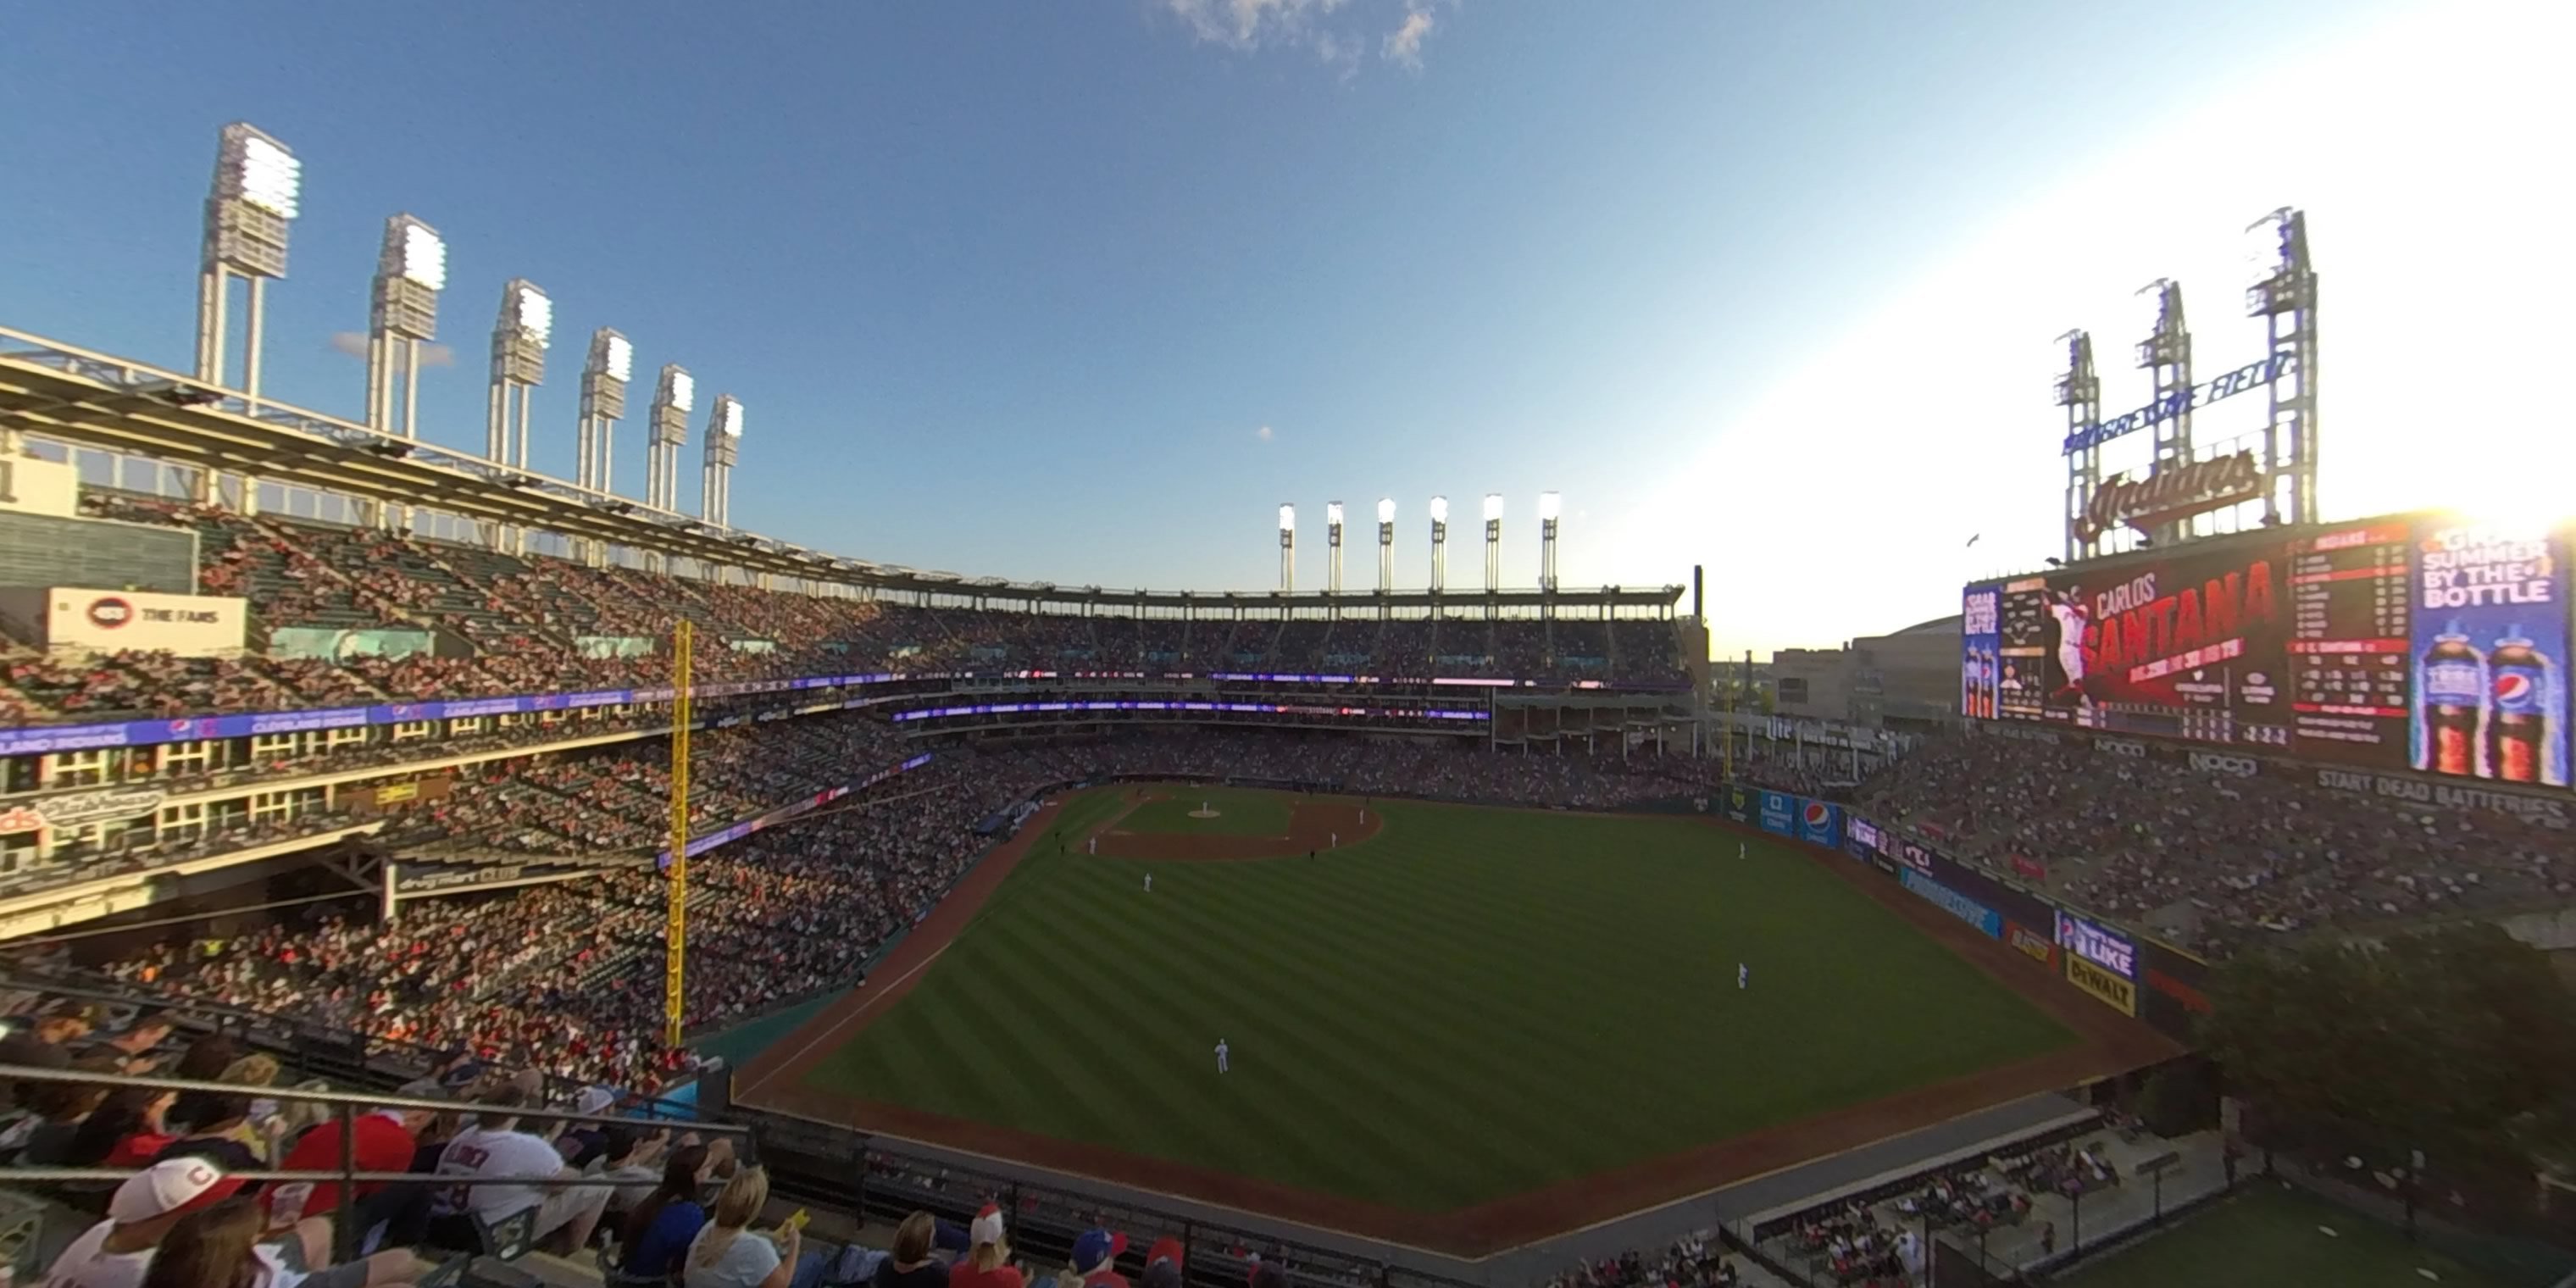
(1204, 813)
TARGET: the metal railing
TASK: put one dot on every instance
(345, 1110)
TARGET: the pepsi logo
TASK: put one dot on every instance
(107, 612)
(1817, 813)
(2512, 686)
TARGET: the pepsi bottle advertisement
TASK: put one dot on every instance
(2490, 652)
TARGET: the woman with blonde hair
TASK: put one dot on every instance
(988, 1264)
(729, 1254)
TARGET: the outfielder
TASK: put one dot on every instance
(1220, 1055)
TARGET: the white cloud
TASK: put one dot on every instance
(1404, 44)
(354, 344)
(1262, 433)
(1250, 25)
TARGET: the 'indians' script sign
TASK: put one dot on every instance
(2170, 493)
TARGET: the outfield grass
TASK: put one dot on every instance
(1471, 1004)
(2267, 1236)
(1239, 813)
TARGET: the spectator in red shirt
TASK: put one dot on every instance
(387, 1140)
(987, 1261)
(1095, 1258)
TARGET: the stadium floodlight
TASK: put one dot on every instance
(532, 312)
(1549, 506)
(258, 169)
(1493, 541)
(257, 187)
(1287, 546)
(724, 448)
(411, 269)
(1333, 546)
(674, 392)
(1385, 545)
(1439, 543)
(2266, 247)
(519, 340)
(603, 403)
(424, 254)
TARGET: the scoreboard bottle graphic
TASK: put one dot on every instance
(2489, 715)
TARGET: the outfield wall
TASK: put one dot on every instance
(2128, 972)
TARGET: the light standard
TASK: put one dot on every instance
(1549, 504)
(257, 182)
(724, 446)
(603, 402)
(1333, 546)
(1287, 546)
(410, 272)
(1439, 542)
(1385, 543)
(673, 396)
(1493, 544)
(519, 342)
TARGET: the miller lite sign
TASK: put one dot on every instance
(2174, 492)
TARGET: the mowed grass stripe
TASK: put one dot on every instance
(1469, 1004)
(1309, 1049)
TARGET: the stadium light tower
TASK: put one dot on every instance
(673, 395)
(1549, 504)
(1439, 542)
(724, 447)
(2283, 292)
(1493, 542)
(1386, 543)
(2079, 391)
(603, 403)
(1287, 546)
(410, 272)
(1333, 546)
(257, 184)
(2167, 353)
(519, 341)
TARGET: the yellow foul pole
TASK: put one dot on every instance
(675, 955)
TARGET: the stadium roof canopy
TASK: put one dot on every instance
(95, 400)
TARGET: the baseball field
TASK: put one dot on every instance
(2272, 1234)
(1443, 1010)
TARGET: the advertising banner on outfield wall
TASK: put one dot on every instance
(1820, 823)
(2117, 993)
(1780, 813)
(1954, 903)
(1739, 804)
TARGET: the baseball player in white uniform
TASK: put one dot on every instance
(1149, 883)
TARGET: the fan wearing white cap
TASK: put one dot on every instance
(987, 1261)
(116, 1252)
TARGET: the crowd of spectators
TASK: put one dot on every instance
(1692, 1261)
(481, 623)
(2207, 858)
(566, 977)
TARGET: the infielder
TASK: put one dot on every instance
(1149, 883)
(1743, 976)
(1095, 845)
(1220, 1055)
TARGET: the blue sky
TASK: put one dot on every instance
(1082, 291)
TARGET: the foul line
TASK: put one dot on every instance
(844, 1022)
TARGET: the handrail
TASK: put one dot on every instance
(22, 1073)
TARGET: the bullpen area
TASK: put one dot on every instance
(1460, 1029)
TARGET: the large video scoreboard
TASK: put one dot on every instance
(2408, 642)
